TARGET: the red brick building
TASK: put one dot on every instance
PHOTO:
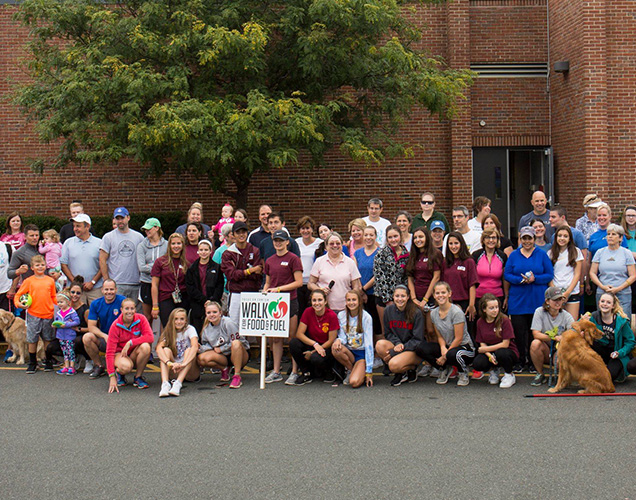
(524, 126)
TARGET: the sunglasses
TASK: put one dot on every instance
(426, 202)
(76, 293)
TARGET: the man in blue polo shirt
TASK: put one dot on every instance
(80, 256)
(101, 314)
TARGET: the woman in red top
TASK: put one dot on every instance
(311, 349)
(461, 274)
(168, 280)
(193, 234)
(423, 269)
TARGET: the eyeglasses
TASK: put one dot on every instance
(630, 215)
(76, 293)
(490, 237)
(335, 244)
(427, 202)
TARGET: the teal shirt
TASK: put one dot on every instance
(623, 338)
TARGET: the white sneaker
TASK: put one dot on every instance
(493, 378)
(434, 373)
(424, 371)
(443, 376)
(462, 379)
(377, 363)
(176, 388)
(88, 367)
(291, 380)
(165, 390)
(508, 381)
(273, 377)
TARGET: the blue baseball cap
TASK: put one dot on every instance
(438, 224)
(120, 212)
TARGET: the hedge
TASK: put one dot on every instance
(101, 224)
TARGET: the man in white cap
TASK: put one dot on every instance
(118, 255)
(587, 224)
(80, 256)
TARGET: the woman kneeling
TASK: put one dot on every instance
(177, 351)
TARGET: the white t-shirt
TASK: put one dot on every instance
(307, 254)
(184, 343)
(5, 282)
(475, 225)
(563, 273)
(380, 227)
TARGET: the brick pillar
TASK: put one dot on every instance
(461, 142)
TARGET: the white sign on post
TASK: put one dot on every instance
(264, 315)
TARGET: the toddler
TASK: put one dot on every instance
(51, 248)
(65, 320)
(226, 218)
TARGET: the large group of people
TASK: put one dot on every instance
(411, 296)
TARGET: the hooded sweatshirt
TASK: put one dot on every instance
(147, 253)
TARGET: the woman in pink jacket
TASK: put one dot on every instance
(129, 341)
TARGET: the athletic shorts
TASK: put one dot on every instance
(574, 299)
(39, 327)
(358, 354)
(144, 291)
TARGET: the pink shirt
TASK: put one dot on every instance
(52, 253)
(15, 240)
(343, 272)
(490, 276)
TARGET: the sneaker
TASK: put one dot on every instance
(71, 371)
(291, 380)
(454, 372)
(329, 378)
(377, 363)
(225, 374)
(493, 378)
(165, 389)
(621, 378)
(435, 373)
(176, 389)
(538, 379)
(463, 379)
(508, 380)
(273, 377)
(347, 379)
(48, 365)
(411, 376)
(385, 370)
(424, 371)
(140, 383)
(32, 368)
(97, 372)
(444, 375)
(236, 382)
(62, 371)
(303, 378)
(532, 369)
(477, 375)
(121, 380)
(398, 379)
(7, 355)
(518, 368)
(89, 366)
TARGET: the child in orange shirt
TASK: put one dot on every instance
(39, 314)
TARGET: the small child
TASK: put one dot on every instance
(39, 315)
(51, 248)
(65, 320)
(226, 218)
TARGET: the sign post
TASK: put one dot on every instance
(264, 315)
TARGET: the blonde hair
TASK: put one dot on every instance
(359, 223)
(76, 204)
(169, 334)
(53, 234)
(208, 303)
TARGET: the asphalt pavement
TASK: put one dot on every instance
(65, 437)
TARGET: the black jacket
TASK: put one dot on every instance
(214, 282)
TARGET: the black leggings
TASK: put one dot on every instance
(614, 366)
(317, 365)
(460, 357)
(506, 358)
(371, 307)
(521, 324)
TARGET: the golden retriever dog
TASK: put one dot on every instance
(579, 363)
(14, 331)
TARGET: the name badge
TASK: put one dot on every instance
(284, 263)
(461, 268)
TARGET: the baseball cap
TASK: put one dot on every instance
(238, 226)
(589, 199)
(596, 204)
(120, 212)
(280, 235)
(82, 218)
(438, 224)
(150, 223)
(554, 293)
(527, 231)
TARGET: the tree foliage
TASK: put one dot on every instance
(227, 88)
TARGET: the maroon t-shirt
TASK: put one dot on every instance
(486, 333)
(461, 275)
(167, 277)
(281, 271)
(422, 275)
(318, 328)
(203, 272)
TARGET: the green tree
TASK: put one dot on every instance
(227, 88)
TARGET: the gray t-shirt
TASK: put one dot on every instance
(445, 326)
(122, 256)
(221, 336)
(544, 322)
(612, 265)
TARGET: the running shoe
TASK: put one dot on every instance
(140, 383)
(236, 382)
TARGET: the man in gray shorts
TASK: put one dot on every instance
(118, 255)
